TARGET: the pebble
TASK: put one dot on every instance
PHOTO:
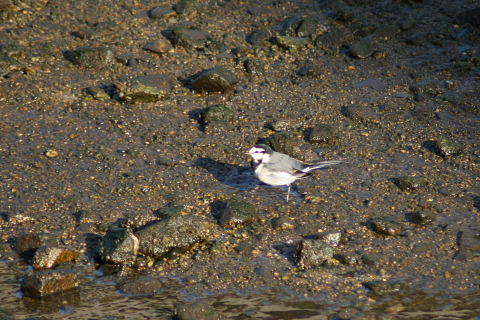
(44, 283)
(362, 48)
(217, 79)
(159, 46)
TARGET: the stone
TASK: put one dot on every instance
(312, 253)
(159, 46)
(469, 241)
(175, 231)
(362, 48)
(290, 43)
(311, 68)
(90, 57)
(361, 114)
(120, 245)
(283, 223)
(447, 148)
(286, 142)
(217, 79)
(348, 259)
(161, 13)
(298, 26)
(322, 134)
(98, 93)
(332, 41)
(190, 38)
(386, 225)
(422, 217)
(150, 88)
(254, 66)
(48, 257)
(381, 288)
(197, 311)
(217, 113)
(236, 212)
(405, 183)
(186, 6)
(259, 37)
(44, 283)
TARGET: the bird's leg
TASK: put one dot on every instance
(288, 192)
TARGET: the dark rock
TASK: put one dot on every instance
(348, 259)
(161, 13)
(235, 212)
(322, 133)
(421, 217)
(447, 148)
(290, 43)
(371, 259)
(49, 257)
(381, 288)
(254, 66)
(311, 68)
(386, 32)
(471, 16)
(386, 225)
(331, 42)
(149, 88)
(191, 38)
(197, 311)
(28, 242)
(214, 80)
(98, 93)
(89, 57)
(176, 231)
(44, 283)
(362, 48)
(361, 114)
(290, 26)
(409, 182)
(424, 110)
(186, 6)
(159, 46)
(120, 245)
(259, 37)
(312, 253)
(286, 142)
(298, 26)
(217, 113)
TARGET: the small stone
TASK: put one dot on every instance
(322, 133)
(283, 223)
(332, 41)
(159, 46)
(362, 48)
(259, 37)
(161, 13)
(186, 6)
(299, 26)
(447, 148)
(191, 38)
(311, 68)
(120, 245)
(52, 153)
(43, 283)
(89, 57)
(254, 66)
(149, 88)
(197, 311)
(331, 238)
(405, 183)
(346, 259)
(286, 142)
(422, 217)
(386, 225)
(28, 242)
(218, 79)
(236, 212)
(361, 114)
(290, 43)
(48, 257)
(312, 253)
(381, 288)
(217, 113)
(98, 93)
(370, 259)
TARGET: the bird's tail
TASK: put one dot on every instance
(323, 164)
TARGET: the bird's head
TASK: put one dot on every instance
(260, 152)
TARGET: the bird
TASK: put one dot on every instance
(278, 169)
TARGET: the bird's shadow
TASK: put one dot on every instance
(239, 177)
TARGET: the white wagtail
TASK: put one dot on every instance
(278, 169)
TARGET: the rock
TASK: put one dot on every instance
(386, 32)
(471, 16)
(217, 113)
(27, 244)
(283, 223)
(424, 110)
(259, 37)
(469, 241)
(161, 13)
(311, 68)
(360, 114)
(43, 283)
(120, 245)
(405, 183)
(235, 212)
(312, 253)
(362, 48)
(215, 79)
(159, 46)
(98, 93)
(282, 125)
(432, 87)
(196, 311)
(348, 259)
(322, 133)
(186, 6)
(386, 225)
(89, 57)
(191, 38)
(48, 257)
(332, 41)
(286, 142)
(149, 88)
(447, 148)
(370, 259)
(290, 43)
(254, 66)
(147, 286)
(176, 231)
(421, 217)
(331, 238)
(381, 288)
(299, 26)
